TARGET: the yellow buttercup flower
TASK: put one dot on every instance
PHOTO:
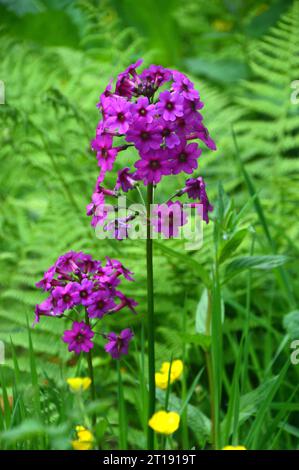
(79, 384)
(161, 377)
(84, 439)
(165, 422)
(234, 448)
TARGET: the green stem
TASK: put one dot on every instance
(90, 366)
(150, 318)
(210, 372)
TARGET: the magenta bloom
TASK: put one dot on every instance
(163, 124)
(118, 114)
(118, 344)
(170, 105)
(145, 136)
(185, 158)
(84, 292)
(65, 297)
(202, 133)
(153, 166)
(196, 189)
(105, 153)
(46, 308)
(46, 282)
(96, 209)
(79, 337)
(143, 109)
(184, 86)
(125, 180)
(167, 130)
(100, 302)
(79, 283)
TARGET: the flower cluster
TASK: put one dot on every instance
(163, 126)
(78, 283)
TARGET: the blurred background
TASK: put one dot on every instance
(56, 57)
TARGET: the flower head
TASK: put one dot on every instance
(184, 86)
(80, 285)
(84, 439)
(79, 384)
(152, 166)
(125, 180)
(164, 125)
(79, 337)
(185, 158)
(100, 302)
(106, 155)
(165, 422)
(118, 113)
(162, 376)
(118, 344)
(170, 105)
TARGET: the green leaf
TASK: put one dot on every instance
(266, 262)
(291, 324)
(231, 245)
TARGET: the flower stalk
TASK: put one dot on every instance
(150, 317)
(90, 366)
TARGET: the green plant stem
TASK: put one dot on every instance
(150, 318)
(210, 372)
(90, 366)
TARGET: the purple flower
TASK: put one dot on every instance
(98, 200)
(125, 85)
(105, 153)
(170, 105)
(46, 308)
(125, 180)
(153, 166)
(202, 133)
(196, 189)
(119, 269)
(143, 110)
(118, 344)
(118, 114)
(125, 302)
(146, 137)
(83, 292)
(185, 158)
(168, 218)
(153, 77)
(66, 262)
(100, 303)
(79, 337)
(65, 297)
(167, 130)
(46, 282)
(132, 68)
(184, 86)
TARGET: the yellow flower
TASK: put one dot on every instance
(234, 448)
(79, 384)
(84, 439)
(162, 376)
(165, 422)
